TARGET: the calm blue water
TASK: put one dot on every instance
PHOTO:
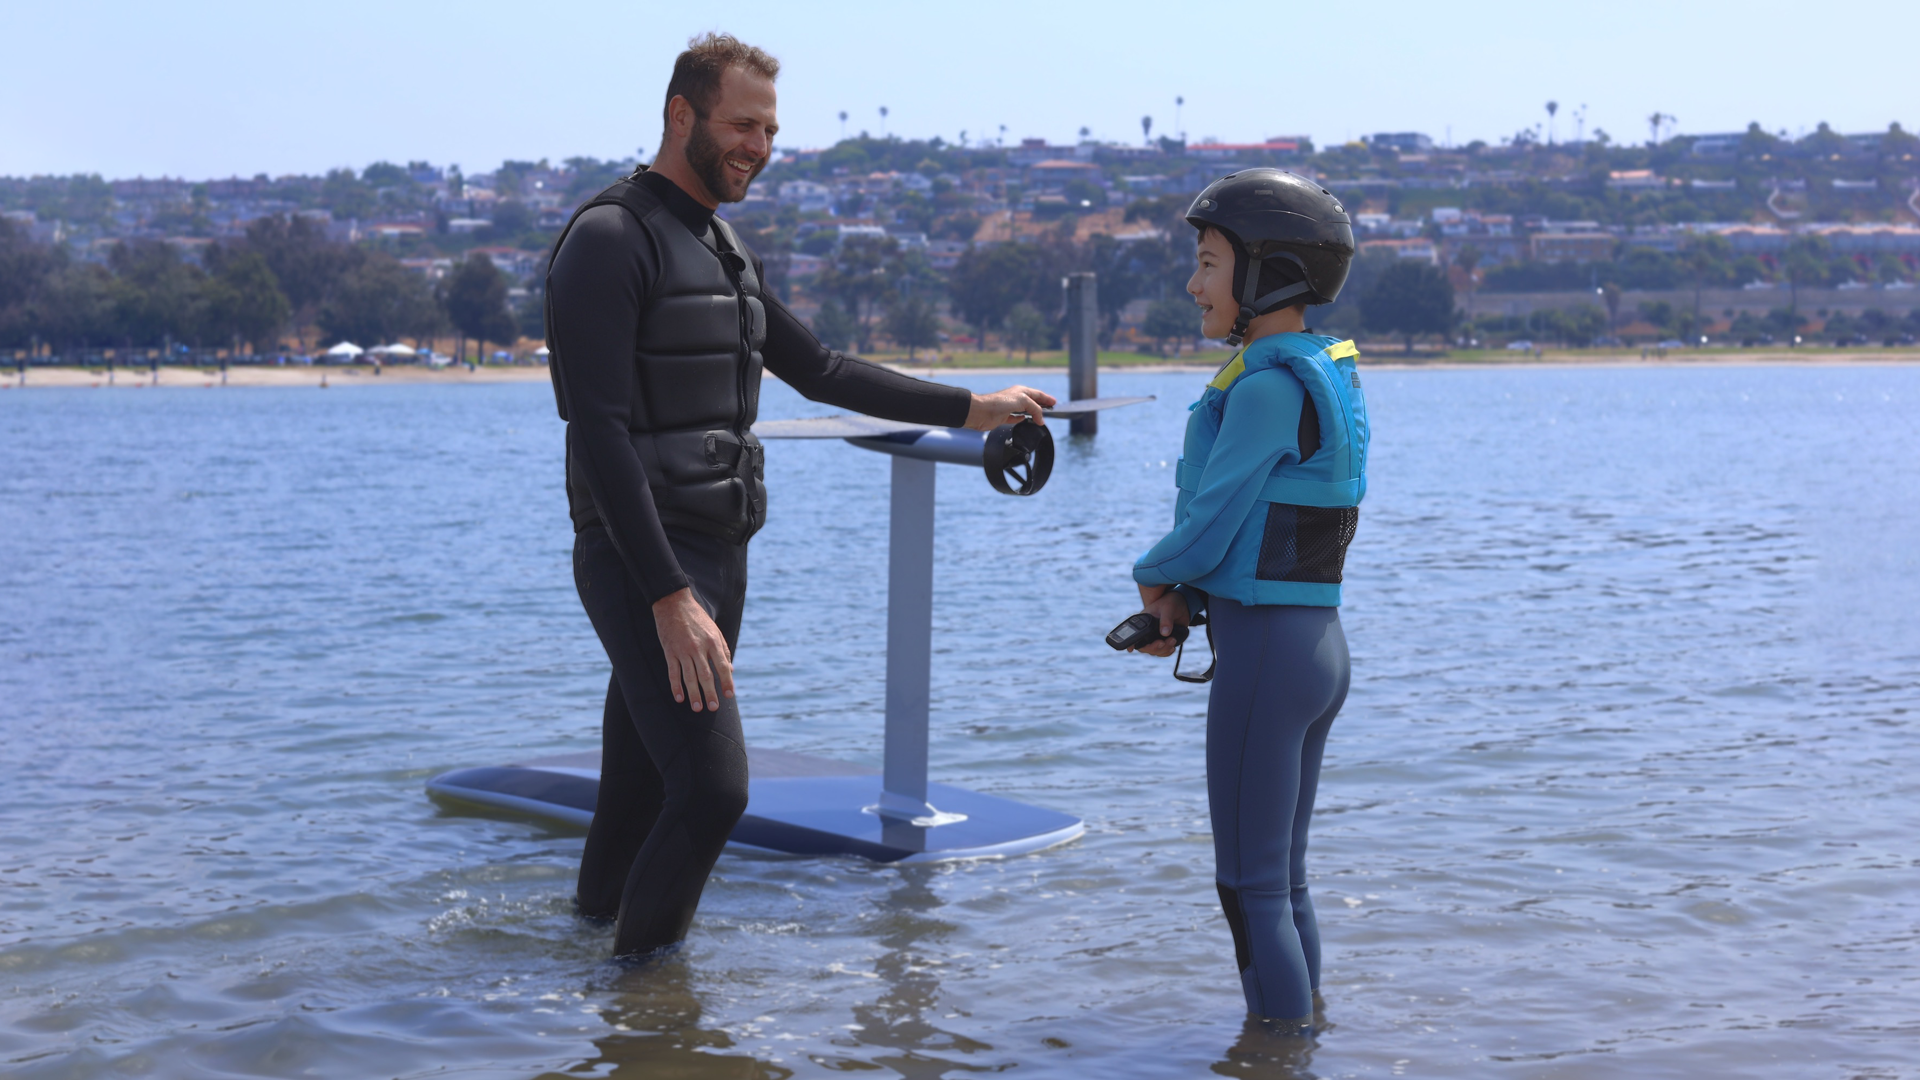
(1625, 787)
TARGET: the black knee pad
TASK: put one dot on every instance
(1236, 922)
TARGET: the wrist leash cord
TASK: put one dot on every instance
(1212, 655)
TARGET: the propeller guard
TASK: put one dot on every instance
(1018, 458)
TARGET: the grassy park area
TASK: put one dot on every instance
(1393, 353)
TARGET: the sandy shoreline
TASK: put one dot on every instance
(1395, 360)
(361, 376)
(290, 375)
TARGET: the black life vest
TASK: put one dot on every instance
(697, 371)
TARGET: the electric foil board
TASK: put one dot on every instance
(797, 804)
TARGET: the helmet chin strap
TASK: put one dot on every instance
(1252, 307)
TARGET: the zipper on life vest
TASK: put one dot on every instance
(746, 363)
(746, 369)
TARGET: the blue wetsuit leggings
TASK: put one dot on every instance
(1282, 677)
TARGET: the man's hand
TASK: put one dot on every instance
(698, 661)
(1171, 609)
(1009, 406)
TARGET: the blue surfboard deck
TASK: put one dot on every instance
(797, 804)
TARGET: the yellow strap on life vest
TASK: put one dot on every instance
(1238, 365)
(1232, 371)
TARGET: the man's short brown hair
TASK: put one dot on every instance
(696, 74)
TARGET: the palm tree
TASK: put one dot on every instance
(1146, 129)
(843, 124)
(1655, 121)
(1468, 259)
(1552, 107)
(1804, 263)
(883, 121)
(1704, 256)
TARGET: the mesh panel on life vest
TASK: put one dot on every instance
(1306, 543)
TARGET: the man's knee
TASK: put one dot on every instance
(716, 794)
(726, 797)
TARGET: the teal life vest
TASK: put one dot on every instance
(1338, 476)
(1292, 546)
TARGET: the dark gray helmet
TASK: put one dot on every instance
(1273, 215)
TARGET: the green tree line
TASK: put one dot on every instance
(870, 286)
(1703, 261)
(284, 277)
(874, 285)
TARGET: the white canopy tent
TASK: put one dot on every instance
(346, 350)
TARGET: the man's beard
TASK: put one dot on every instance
(709, 164)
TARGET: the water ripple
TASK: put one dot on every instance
(1620, 790)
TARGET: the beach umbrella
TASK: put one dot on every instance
(345, 349)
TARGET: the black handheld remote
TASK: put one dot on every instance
(1141, 629)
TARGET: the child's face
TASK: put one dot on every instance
(1212, 285)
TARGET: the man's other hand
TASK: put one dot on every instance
(1009, 406)
(699, 665)
(1171, 609)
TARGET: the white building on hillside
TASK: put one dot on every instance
(807, 196)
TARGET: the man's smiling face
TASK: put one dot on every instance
(729, 146)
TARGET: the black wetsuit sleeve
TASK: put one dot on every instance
(601, 275)
(823, 374)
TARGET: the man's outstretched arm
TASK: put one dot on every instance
(823, 374)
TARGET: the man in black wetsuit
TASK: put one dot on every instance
(659, 327)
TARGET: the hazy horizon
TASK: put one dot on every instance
(218, 88)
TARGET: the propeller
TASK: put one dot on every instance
(1018, 458)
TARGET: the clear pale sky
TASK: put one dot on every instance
(202, 88)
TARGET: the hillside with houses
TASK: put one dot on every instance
(902, 244)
